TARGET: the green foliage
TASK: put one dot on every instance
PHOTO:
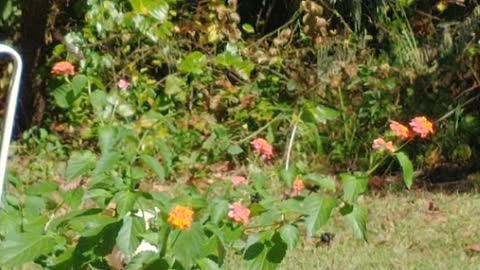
(166, 109)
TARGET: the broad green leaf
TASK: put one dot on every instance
(80, 163)
(106, 162)
(64, 96)
(11, 220)
(195, 62)
(64, 260)
(234, 150)
(356, 216)
(407, 168)
(59, 222)
(174, 86)
(265, 255)
(353, 186)
(269, 217)
(34, 205)
(325, 181)
(165, 151)
(20, 248)
(72, 198)
(290, 235)
(189, 245)
(109, 137)
(96, 243)
(154, 165)
(79, 83)
(207, 264)
(147, 261)
(318, 209)
(42, 188)
(125, 201)
(219, 210)
(89, 226)
(98, 99)
(288, 176)
(318, 114)
(128, 236)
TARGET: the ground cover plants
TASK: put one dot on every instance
(180, 135)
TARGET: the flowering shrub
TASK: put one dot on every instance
(166, 173)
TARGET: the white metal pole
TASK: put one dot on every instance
(9, 116)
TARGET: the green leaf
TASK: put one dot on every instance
(407, 168)
(288, 176)
(290, 235)
(106, 162)
(165, 152)
(20, 248)
(219, 210)
(318, 114)
(147, 261)
(241, 67)
(265, 256)
(318, 209)
(128, 236)
(125, 201)
(189, 245)
(234, 150)
(353, 186)
(356, 216)
(174, 85)
(79, 82)
(42, 188)
(73, 198)
(154, 165)
(79, 163)
(195, 62)
(207, 264)
(248, 28)
(64, 96)
(324, 181)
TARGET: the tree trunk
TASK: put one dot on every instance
(33, 50)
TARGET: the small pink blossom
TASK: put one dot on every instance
(239, 213)
(421, 126)
(263, 148)
(380, 144)
(123, 84)
(297, 187)
(238, 180)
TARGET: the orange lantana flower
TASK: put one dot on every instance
(400, 130)
(181, 217)
(297, 187)
(421, 126)
(63, 68)
(263, 148)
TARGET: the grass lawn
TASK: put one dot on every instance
(414, 230)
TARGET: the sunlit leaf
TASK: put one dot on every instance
(20, 248)
(325, 181)
(353, 186)
(407, 168)
(154, 165)
(290, 235)
(79, 164)
(318, 209)
(356, 216)
(189, 245)
(195, 62)
(128, 236)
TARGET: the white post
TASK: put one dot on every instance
(9, 116)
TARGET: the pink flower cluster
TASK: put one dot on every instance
(420, 125)
(263, 148)
(239, 180)
(297, 187)
(239, 213)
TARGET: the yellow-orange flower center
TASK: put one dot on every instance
(181, 217)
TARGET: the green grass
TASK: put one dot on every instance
(403, 234)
